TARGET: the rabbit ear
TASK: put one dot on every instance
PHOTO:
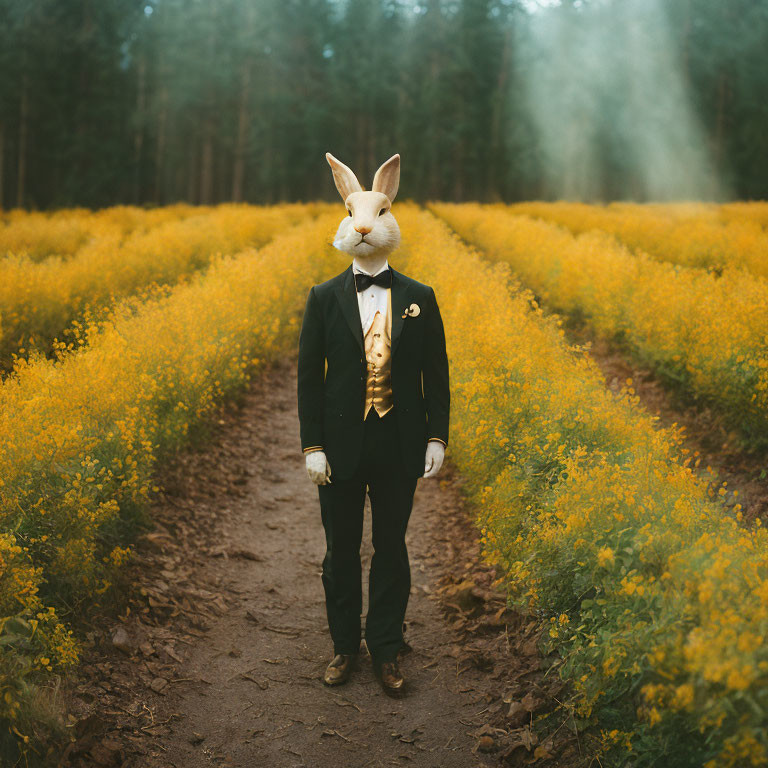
(387, 178)
(346, 181)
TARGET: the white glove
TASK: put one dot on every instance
(318, 468)
(434, 458)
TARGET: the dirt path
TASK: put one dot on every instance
(219, 663)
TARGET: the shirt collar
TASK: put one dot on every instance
(357, 268)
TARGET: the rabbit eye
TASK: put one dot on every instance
(382, 211)
(349, 211)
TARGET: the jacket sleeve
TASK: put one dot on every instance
(437, 395)
(311, 376)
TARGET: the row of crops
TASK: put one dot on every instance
(690, 234)
(124, 251)
(704, 332)
(653, 592)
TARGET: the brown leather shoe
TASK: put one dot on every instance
(339, 670)
(391, 677)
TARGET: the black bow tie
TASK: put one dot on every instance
(363, 281)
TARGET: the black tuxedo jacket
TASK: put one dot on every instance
(331, 397)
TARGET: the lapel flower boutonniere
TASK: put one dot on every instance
(412, 311)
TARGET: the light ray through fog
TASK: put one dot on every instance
(606, 94)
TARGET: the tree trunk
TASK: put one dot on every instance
(206, 164)
(206, 151)
(458, 170)
(722, 100)
(138, 131)
(162, 121)
(238, 173)
(192, 173)
(361, 139)
(2, 156)
(23, 128)
(433, 161)
(498, 145)
(686, 69)
(84, 102)
(372, 160)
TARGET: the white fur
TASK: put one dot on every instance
(369, 232)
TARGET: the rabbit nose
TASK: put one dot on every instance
(363, 230)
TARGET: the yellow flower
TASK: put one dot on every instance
(605, 556)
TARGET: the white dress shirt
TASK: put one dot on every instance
(372, 299)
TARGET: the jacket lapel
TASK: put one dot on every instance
(399, 298)
(347, 296)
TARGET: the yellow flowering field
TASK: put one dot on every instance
(692, 234)
(655, 595)
(739, 210)
(39, 299)
(704, 334)
(82, 435)
(38, 235)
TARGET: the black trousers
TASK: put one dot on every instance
(342, 503)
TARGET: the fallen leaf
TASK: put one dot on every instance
(530, 702)
(529, 738)
(517, 714)
(486, 744)
(246, 554)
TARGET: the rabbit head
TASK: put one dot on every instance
(369, 231)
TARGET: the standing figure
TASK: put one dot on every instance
(373, 402)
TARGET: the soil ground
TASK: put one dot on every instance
(219, 657)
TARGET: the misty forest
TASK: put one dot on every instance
(157, 101)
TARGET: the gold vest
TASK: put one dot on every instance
(378, 343)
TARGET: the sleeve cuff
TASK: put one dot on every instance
(439, 440)
(312, 448)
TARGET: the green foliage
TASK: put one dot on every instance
(164, 100)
